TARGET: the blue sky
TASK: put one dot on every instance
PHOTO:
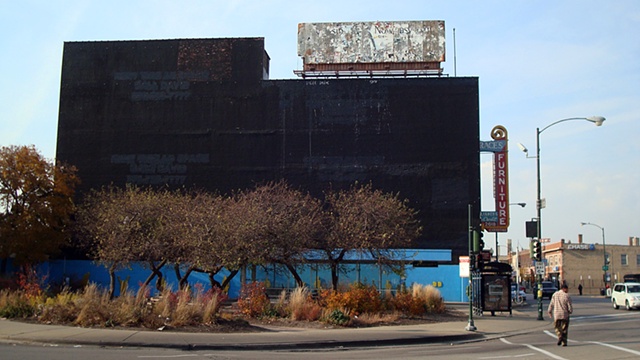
(537, 62)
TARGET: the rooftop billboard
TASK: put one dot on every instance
(382, 42)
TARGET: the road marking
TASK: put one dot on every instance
(598, 343)
(551, 355)
(508, 356)
(166, 356)
(614, 347)
(591, 317)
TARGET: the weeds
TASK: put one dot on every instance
(253, 300)
(358, 305)
(302, 307)
(15, 304)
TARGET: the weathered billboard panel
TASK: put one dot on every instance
(380, 42)
(133, 112)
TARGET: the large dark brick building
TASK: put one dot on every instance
(203, 113)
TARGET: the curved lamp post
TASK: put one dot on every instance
(604, 251)
(597, 120)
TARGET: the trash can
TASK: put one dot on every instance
(602, 292)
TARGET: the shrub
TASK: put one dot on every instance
(60, 309)
(407, 304)
(16, 304)
(359, 299)
(337, 317)
(253, 300)
(31, 284)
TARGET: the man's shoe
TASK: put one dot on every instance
(559, 342)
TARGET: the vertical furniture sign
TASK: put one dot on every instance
(499, 221)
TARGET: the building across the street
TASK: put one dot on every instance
(595, 266)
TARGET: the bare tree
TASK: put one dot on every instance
(283, 222)
(202, 224)
(105, 229)
(365, 220)
(132, 224)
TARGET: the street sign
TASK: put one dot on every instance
(539, 268)
(464, 266)
(489, 216)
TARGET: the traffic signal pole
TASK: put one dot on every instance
(470, 326)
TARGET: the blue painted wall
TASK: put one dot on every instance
(444, 277)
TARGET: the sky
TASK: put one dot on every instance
(537, 62)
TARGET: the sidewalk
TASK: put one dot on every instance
(277, 338)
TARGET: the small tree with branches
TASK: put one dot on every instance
(365, 220)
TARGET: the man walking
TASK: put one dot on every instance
(560, 308)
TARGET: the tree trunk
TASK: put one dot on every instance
(112, 283)
(213, 281)
(184, 283)
(226, 281)
(334, 263)
(334, 275)
(211, 274)
(296, 276)
(176, 268)
(155, 271)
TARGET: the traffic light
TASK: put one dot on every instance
(532, 248)
(537, 250)
(478, 243)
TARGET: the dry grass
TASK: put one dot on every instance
(165, 304)
(429, 296)
(302, 307)
(94, 307)
(211, 310)
(369, 319)
(60, 308)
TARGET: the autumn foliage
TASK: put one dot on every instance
(36, 204)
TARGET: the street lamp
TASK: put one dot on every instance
(597, 120)
(604, 250)
(521, 204)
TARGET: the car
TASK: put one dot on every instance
(627, 294)
(548, 289)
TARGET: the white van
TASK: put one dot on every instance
(627, 294)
